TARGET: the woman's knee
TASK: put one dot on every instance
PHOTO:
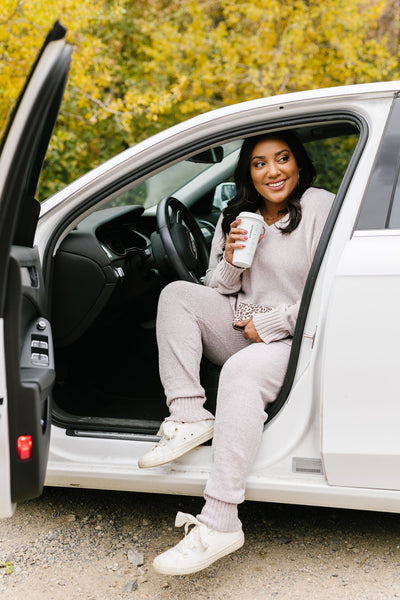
(175, 295)
(235, 378)
(240, 393)
(232, 368)
(241, 367)
(256, 370)
(176, 290)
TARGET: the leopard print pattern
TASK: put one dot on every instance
(245, 311)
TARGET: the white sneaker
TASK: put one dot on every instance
(199, 548)
(177, 439)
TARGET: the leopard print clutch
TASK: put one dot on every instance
(245, 311)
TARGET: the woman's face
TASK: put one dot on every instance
(274, 171)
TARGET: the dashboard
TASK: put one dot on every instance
(105, 265)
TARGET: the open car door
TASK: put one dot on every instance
(26, 350)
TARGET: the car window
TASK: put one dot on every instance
(330, 146)
(331, 157)
(166, 183)
(380, 208)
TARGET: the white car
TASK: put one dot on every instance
(80, 282)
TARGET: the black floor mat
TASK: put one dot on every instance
(118, 379)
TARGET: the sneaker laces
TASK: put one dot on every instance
(167, 432)
(168, 429)
(194, 539)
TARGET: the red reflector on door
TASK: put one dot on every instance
(24, 447)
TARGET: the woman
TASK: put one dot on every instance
(273, 177)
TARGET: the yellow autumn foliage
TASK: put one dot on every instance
(141, 66)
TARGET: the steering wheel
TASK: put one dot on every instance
(182, 241)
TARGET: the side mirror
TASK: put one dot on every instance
(223, 193)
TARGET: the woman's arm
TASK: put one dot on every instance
(277, 324)
(221, 274)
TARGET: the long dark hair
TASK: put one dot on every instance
(248, 199)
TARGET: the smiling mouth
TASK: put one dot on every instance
(276, 184)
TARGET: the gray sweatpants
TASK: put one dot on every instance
(192, 320)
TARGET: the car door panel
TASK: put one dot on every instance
(361, 408)
(29, 371)
(26, 350)
(361, 412)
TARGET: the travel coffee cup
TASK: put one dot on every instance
(254, 225)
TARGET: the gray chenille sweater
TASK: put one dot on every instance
(279, 270)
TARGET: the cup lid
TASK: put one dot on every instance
(250, 215)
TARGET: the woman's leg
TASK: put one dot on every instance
(192, 319)
(249, 380)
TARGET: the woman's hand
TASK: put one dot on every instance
(234, 240)
(249, 330)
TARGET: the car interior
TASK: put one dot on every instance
(108, 272)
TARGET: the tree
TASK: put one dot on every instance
(141, 66)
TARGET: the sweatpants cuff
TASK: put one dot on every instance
(188, 410)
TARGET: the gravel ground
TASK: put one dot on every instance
(97, 545)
